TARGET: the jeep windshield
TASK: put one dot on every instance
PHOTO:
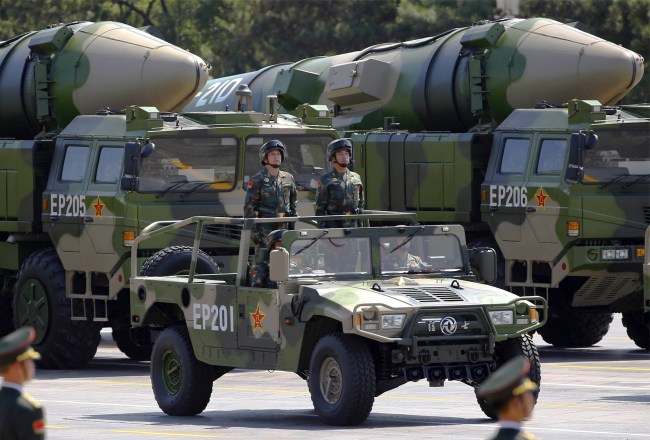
(410, 253)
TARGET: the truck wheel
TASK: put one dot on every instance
(575, 328)
(175, 260)
(122, 339)
(40, 301)
(637, 330)
(342, 380)
(181, 383)
(506, 350)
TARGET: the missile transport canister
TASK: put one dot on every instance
(77, 190)
(508, 128)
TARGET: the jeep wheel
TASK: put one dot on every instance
(40, 301)
(637, 330)
(506, 350)
(122, 339)
(573, 328)
(342, 380)
(181, 383)
(175, 260)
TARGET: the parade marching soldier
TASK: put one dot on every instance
(510, 393)
(21, 417)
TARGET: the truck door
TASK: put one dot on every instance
(64, 204)
(102, 244)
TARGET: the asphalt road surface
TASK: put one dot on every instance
(602, 392)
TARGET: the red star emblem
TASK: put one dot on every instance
(98, 205)
(258, 317)
(541, 198)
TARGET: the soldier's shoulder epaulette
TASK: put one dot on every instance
(33, 402)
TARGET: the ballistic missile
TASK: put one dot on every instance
(451, 81)
(50, 76)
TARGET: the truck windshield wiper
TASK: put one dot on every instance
(198, 186)
(614, 180)
(174, 185)
(313, 240)
(641, 178)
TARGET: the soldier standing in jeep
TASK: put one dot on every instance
(340, 191)
(271, 192)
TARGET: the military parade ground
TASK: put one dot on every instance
(602, 392)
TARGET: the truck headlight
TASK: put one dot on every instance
(392, 321)
(502, 317)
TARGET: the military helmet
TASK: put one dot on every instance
(270, 146)
(338, 144)
(273, 238)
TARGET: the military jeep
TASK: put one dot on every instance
(355, 312)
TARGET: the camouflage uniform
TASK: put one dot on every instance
(339, 193)
(270, 196)
(395, 261)
(260, 276)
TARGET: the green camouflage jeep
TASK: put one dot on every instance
(356, 312)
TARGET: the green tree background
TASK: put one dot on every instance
(242, 35)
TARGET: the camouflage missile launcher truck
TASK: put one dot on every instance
(447, 126)
(73, 202)
(355, 312)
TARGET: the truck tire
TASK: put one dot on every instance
(637, 330)
(175, 260)
(573, 328)
(40, 301)
(342, 380)
(182, 385)
(506, 350)
(134, 351)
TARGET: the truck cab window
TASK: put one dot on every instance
(514, 156)
(551, 156)
(109, 165)
(75, 163)
(305, 158)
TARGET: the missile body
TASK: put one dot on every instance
(451, 81)
(50, 76)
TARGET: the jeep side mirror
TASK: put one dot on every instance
(279, 265)
(485, 261)
(131, 166)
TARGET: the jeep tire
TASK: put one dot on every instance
(342, 379)
(182, 385)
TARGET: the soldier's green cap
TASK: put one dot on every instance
(511, 379)
(16, 346)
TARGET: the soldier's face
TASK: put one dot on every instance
(342, 157)
(274, 157)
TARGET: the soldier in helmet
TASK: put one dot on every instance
(340, 191)
(21, 417)
(271, 192)
(510, 393)
(260, 273)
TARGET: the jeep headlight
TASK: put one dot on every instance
(502, 317)
(392, 321)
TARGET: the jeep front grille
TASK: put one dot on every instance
(429, 294)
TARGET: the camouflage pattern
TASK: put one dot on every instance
(231, 325)
(339, 194)
(74, 198)
(270, 196)
(447, 82)
(260, 276)
(50, 76)
(477, 86)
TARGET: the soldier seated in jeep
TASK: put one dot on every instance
(396, 255)
(260, 272)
